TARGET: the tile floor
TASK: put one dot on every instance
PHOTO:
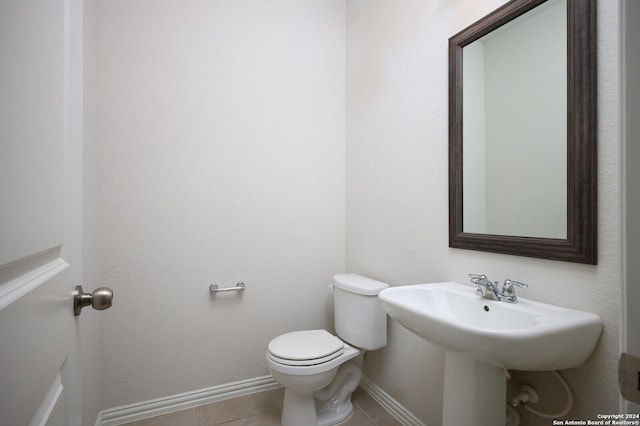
(263, 409)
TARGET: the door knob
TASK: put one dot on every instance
(100, 299)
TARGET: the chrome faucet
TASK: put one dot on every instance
(489, 290)
(486, 288)
(509, 293)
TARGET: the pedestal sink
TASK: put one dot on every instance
(483, 337)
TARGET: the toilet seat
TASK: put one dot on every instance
(305, 348)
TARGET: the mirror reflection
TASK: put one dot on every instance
(515, 127)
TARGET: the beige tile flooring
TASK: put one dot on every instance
(263, 409)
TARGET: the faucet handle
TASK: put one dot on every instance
(507, 287)
(476, 278)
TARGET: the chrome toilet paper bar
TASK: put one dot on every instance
(214, 288)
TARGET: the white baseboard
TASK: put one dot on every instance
(157, 407)
(394, 408)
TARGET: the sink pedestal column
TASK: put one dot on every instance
(474, 393)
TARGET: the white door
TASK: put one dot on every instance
(40, 210)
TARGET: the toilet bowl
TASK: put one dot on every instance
(314, 359)
(318, 370)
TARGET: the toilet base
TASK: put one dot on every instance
(298, 409)
(330, 404)
(332, 418)
(333, 403)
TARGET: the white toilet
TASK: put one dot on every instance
(319, 371)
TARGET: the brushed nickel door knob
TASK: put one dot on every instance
(100, 299)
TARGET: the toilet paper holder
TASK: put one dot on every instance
(214, 288)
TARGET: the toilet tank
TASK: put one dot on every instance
(360, 319)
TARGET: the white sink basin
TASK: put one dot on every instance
(526, 335)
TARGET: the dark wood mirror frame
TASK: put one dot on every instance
(581, 243)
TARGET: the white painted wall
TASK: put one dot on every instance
(220, 157)
(397, 189)
(217, 152)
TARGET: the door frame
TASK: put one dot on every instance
(630, 206)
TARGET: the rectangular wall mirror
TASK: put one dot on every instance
(522, 131)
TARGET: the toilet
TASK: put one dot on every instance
(318, 370)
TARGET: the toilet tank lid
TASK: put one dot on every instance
(358, 284)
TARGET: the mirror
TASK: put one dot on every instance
(514, 127)
(522, 131)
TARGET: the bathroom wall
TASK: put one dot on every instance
(219, 155)
(397, 191)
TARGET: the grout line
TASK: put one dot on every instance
(372, 421)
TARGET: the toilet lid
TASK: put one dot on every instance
(307, 347)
